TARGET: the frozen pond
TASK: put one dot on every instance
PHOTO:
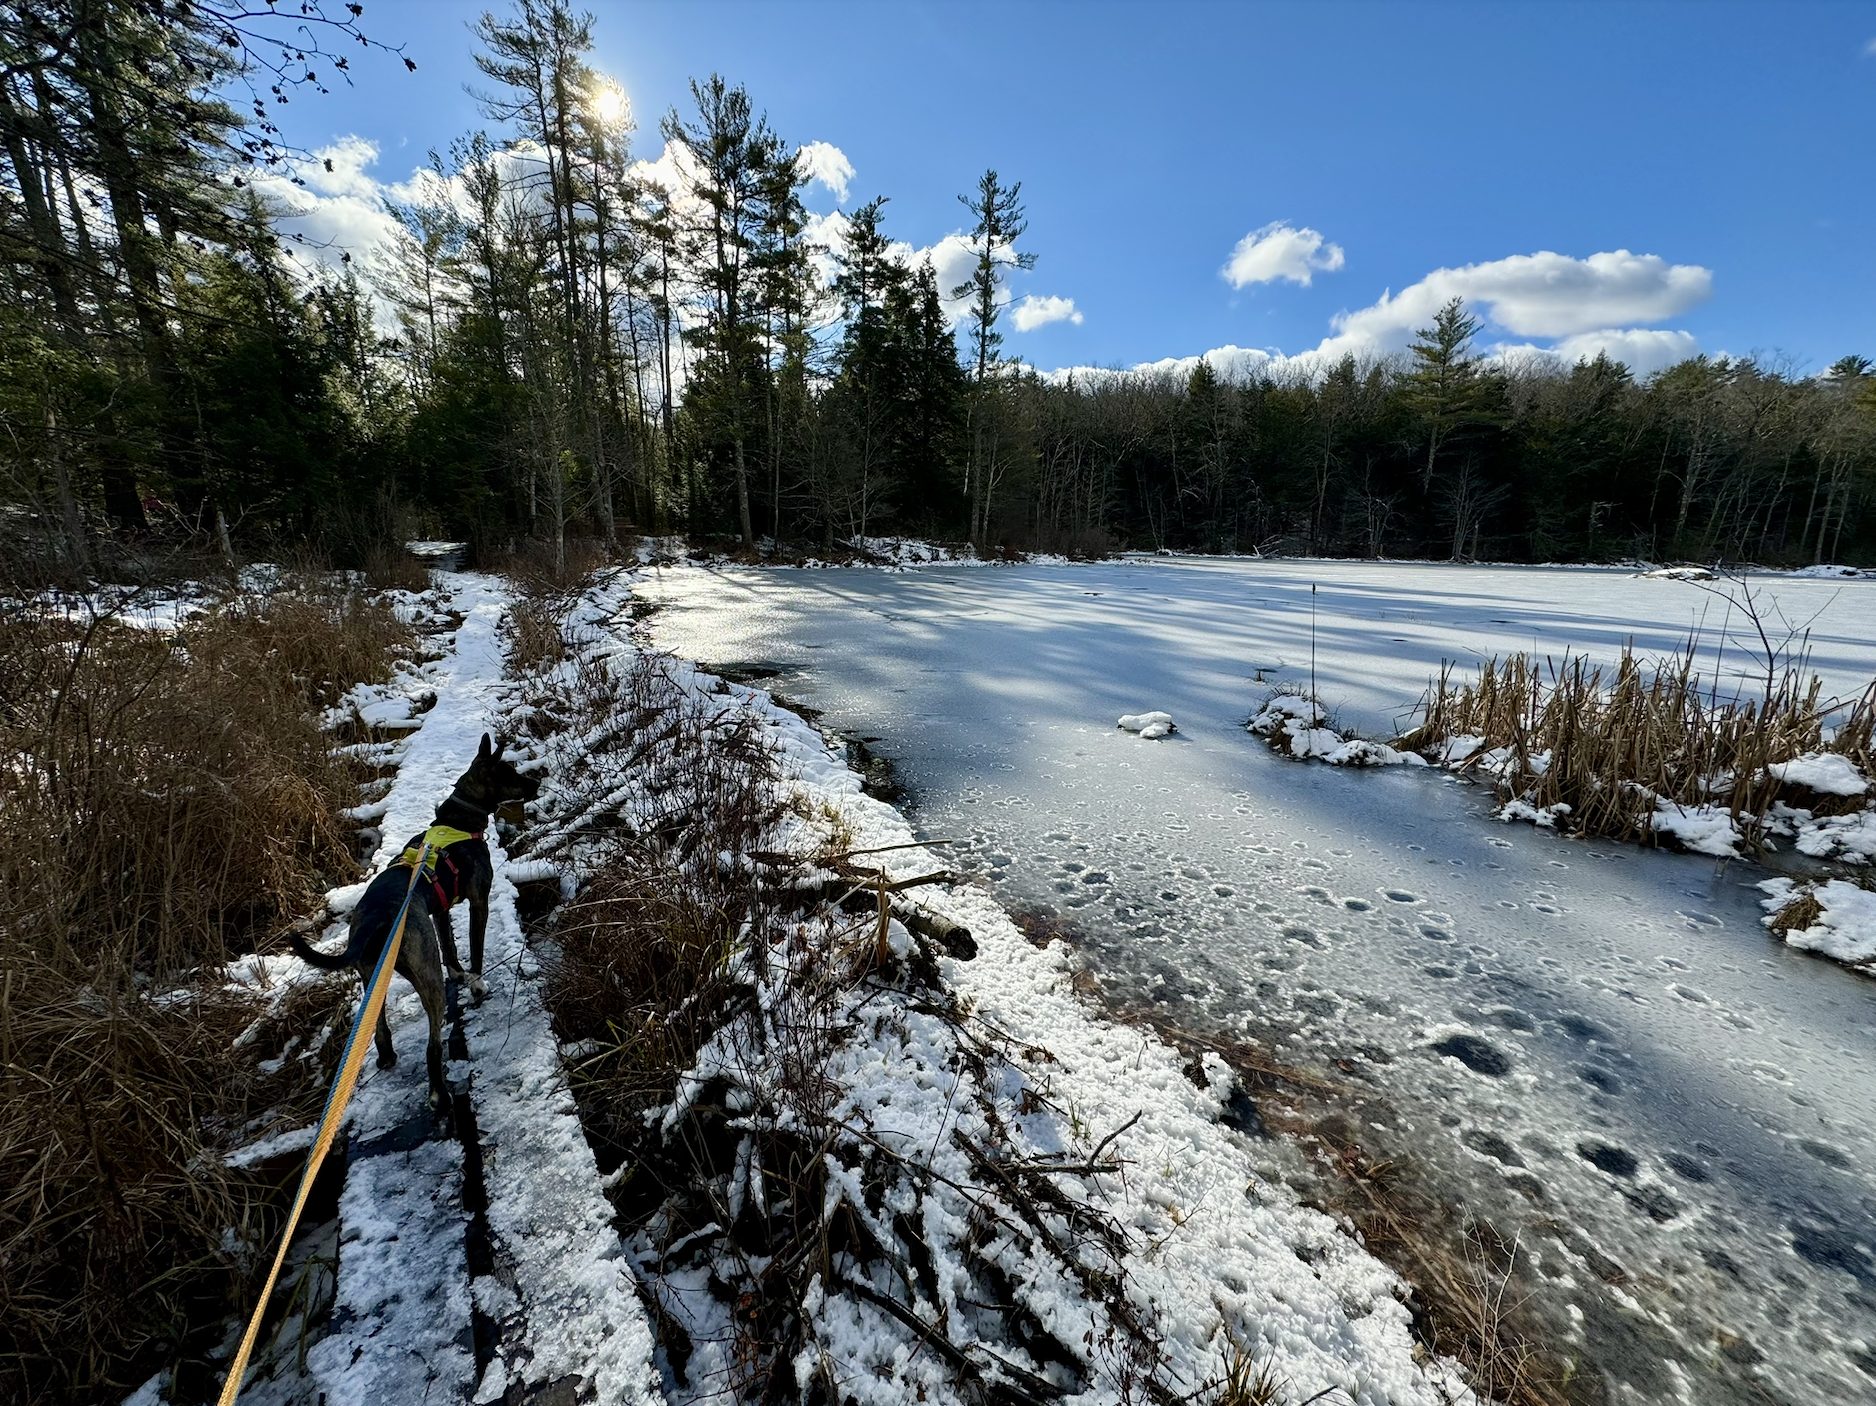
(1599, 1048)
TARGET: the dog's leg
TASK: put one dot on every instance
(430, 988)
(387, 1054)
(456, 967)
(478, 936)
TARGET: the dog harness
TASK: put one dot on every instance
(439, 838)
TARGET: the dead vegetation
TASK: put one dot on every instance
(717, 993)
(1609, 743)
(170, 802)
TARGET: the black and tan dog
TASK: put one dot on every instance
(460, 867)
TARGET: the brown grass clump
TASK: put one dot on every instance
(394, 567)
(170, 802)
(116, 1206)
(1606, 743)
(172, 795)
(1800, 913)
(535, 642)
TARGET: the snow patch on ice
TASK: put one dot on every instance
(1148, 725)
(1701, 829)
(1293, 723)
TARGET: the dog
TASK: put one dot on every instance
(460, 867)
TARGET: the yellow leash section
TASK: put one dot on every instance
(341, 1094)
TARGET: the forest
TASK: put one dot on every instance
(570, 341)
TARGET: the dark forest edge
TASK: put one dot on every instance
(578, 348)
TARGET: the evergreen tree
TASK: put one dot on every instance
(998, 221)
(731, 149)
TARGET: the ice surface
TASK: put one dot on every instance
(1632, 999)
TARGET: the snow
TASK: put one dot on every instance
(1544, 817)
(1299, 725)
(575, 1310)
(1702, 829)
(293, 1140)
(1850, 839)
(400, 1329)
(1678, 573)
(1231, 1250)
(1845, 929)
(1342, 915)
(1834, 573)
(1148, 725)
(1827, 773)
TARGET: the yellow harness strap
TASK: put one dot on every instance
(435, 840)
(342, 1086)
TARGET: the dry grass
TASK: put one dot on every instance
(1800, 913)
(640, 972)
(171, 802)
(1606, 743)
(172, 795)
(535, 641)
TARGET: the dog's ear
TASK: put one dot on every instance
(483, 754)
(500, 747)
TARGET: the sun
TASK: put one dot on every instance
(610, 104)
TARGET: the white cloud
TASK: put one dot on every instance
(1281, 251)
(1581, 306)
(1530, 295)
(827, 164)
(1645, 350)
(338, 212)
(1033, 312)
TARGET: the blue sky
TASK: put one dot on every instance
(1728, 148)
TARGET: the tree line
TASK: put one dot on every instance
(562, 339)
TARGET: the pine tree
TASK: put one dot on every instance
(998, 222)
(1441, 386)
(730, 147)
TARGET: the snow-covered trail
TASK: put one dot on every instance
(1586, 1037)
(555, 1304)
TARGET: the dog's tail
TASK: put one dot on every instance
(312, 956)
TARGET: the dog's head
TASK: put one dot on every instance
(492, 779)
